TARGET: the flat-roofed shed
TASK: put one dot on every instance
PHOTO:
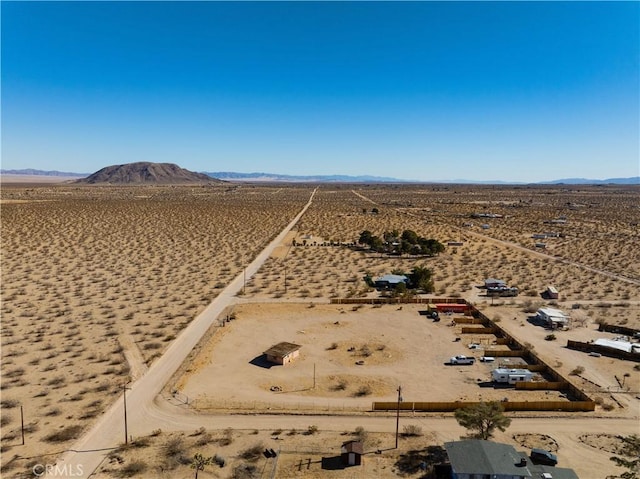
(282, 353)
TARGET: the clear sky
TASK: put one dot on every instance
(515, 91)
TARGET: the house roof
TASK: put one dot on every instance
(353, 446)
(485, 457)
(392, 279)
(282, 349)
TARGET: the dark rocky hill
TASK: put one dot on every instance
(146, 173)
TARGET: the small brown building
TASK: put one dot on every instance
(351, 453)
(282, 353)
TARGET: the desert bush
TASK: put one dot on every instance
(132, 468)
(360, 433)
(227, 437)
(66, 434)
(340, 386)
(219, 460)
(245, 471)
(550, 337)
(608, 406)
(5, 419)
(363, 391)
(411, 430)
(577, 370)
(332, 347)
(312, 430)
(277, 432)
(174, 447)
(252, 453)
(8, 403)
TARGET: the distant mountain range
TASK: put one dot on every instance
(146, 173)
(176, 174)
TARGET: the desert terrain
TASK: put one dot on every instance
(98, 281)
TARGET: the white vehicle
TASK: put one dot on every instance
(462, 360)
(487, 359)
(475, 346)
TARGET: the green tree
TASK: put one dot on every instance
(199, 462)
(377, 244)
(365, 237)
(410, 236)
(631, 449)
(422, 278)
(483, 418)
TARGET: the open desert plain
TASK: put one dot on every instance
(170, 295)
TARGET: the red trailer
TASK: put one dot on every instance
(452, 308)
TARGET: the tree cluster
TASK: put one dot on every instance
(392, 242)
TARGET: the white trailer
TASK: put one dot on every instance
(511, 376)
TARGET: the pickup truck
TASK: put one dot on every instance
(462, 360)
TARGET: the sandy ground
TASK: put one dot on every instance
(100, 280)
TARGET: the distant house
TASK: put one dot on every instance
(351, 453)
(554, 318)
(474, 458)
(282, 353)
(551, 292)
(511, 376)
(390, 281)
(494, 283)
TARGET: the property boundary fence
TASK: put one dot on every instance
(571, 406)
(612, 328)
(542, 385)
(605, 351)
(397, 301)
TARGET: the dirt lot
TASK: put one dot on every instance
(396, 345)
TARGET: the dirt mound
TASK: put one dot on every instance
(146, 173)
(540, 441)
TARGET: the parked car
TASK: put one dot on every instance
(487, 359)
(540, 456)
(462, 360)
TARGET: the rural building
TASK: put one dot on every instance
(554, 318)
(494, 283)
(455, 243)
(619, 344)
(351, 453)
(390, 281)
(551, 292)
(282, 353)
(474, 458)
(541, 245)
(511, 376)
(539, 236)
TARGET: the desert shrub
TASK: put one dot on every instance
(5, 419)
(245, 471)
(577, 370)
(340, 386)
(227, 438)
(360, 433)
(550, 337)
(219, 460)
(204, 439)
(411, 430)
(292, 432)
(66, 434)
(332, 347)
(608, 406)
(9, 403)
(156, 432)
(174, 447)
(277, 432)
(637, 367)
(133, 468)
(252, 453)
(363, 391)
(312, 430)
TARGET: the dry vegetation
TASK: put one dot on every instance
(97, 281)
(93, 274)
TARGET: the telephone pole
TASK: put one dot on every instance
(398, 414)
(126, 432)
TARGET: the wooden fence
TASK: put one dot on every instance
(507, 405)
(505, 353)
(479, 330)
(612, 328)
(397, 301)
(542, 385)
(604, 350)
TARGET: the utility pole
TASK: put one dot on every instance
(314, 375)
(126, 432)
(22, 423)
(244, 282)
(398, 414)
(285, 279)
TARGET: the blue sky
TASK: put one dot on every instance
(514, 91)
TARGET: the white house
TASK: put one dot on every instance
(511, 376)
(622, 345)
(553, 317)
